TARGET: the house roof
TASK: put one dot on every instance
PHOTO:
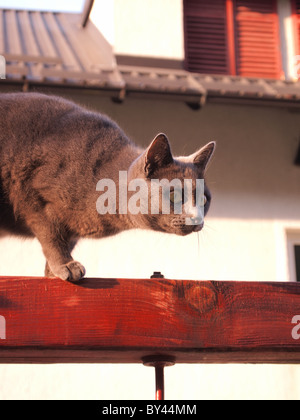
(60, 49)
(48, 47)
(88, 6)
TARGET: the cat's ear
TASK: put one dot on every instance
(203, 156)
(158, 154)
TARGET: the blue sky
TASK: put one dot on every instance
(57, 5)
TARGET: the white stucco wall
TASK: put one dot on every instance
(142, 28)
(157, 28)
(102, 16)
(256, 200)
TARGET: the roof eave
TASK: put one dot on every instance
(118, 94)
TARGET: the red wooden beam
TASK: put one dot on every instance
(126, 321)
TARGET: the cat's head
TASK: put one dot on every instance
(177, 195)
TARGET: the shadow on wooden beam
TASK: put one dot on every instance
(124, 321)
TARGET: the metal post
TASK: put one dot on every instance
(159, 363)
(160, 383)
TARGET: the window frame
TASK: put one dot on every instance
(297, 263)
(293, 240)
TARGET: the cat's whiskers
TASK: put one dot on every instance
(201, 237)
(198, 241)
(210, 227)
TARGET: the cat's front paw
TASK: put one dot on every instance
(73, 271)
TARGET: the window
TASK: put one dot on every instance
(236, 37)
(297, 260)
(296, 15)
(206, 41)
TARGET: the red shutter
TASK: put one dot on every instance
(206, 49)
(296, 13)
(257, 38)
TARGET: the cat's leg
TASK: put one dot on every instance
(60, 262)
(71, 245)
(48, 272)
(56, 244)
(72, 271)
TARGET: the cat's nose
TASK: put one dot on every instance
(197, 221)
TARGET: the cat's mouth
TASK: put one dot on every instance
(199, 227)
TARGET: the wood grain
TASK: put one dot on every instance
(126, 320)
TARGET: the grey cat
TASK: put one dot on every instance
(52, 155)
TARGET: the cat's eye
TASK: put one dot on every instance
(203, 201)
(176, 196)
